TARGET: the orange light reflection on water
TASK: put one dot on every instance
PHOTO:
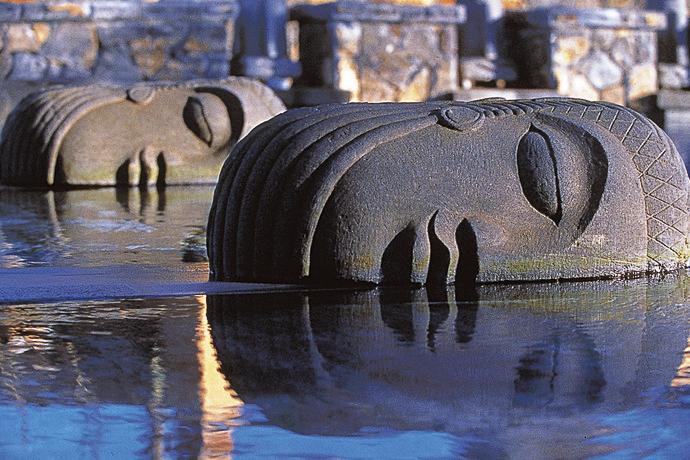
(682, 377)
(219, 402)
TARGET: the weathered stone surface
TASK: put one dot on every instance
(601, 71)
(490, 190)
(615, 94)
(379, 52)
(570, 48)
(24, 37)
(146, 134)
(117, 40)
(555, 47)
(642, 81)
(673, 76)
(28, 67)
(73, 45)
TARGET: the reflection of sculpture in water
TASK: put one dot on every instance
(102, 226)
(437, 192)
(336, 363)
(148, 134)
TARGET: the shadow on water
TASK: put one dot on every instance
(103, 226)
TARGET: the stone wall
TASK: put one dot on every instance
(116, 40)
(596, 54)
(380, 52)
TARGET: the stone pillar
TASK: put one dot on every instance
(261, 44)
(673, 43)
(481, 56)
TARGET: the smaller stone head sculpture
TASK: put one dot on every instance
(490, 190)
(153, 133)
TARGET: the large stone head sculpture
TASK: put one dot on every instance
(145, 134)
(490, 190)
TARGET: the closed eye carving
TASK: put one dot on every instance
(538, 173)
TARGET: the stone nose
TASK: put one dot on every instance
(439, 251)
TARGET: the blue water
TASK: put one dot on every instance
(571, 370)
(540, 371)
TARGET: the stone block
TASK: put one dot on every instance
(5, 63)
(10, 12)
(580, 85)
(28, 67)
(26, 37)
(555, 46)
(149, 54)
(642, 81)
(115, 64)
(601, 71)
(116, 10)
(73, 45)
(673, 76)
(615, 94)
(380, 52)
(60, 10)
(144, 134)
(672, 112)
(570, 49)
(444, 192)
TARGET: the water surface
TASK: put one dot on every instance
(537, 371)
(572, 370)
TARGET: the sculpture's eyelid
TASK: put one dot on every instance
(538, 173)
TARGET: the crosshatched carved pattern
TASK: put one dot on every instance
(663, 180)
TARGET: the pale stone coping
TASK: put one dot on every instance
(81, 10)
(566, 18)
(347, 11)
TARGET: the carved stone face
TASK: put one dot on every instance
(492, 191)
(165, 135)
(143, 135)
(512, 195)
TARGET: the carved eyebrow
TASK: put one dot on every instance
(538, 173)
